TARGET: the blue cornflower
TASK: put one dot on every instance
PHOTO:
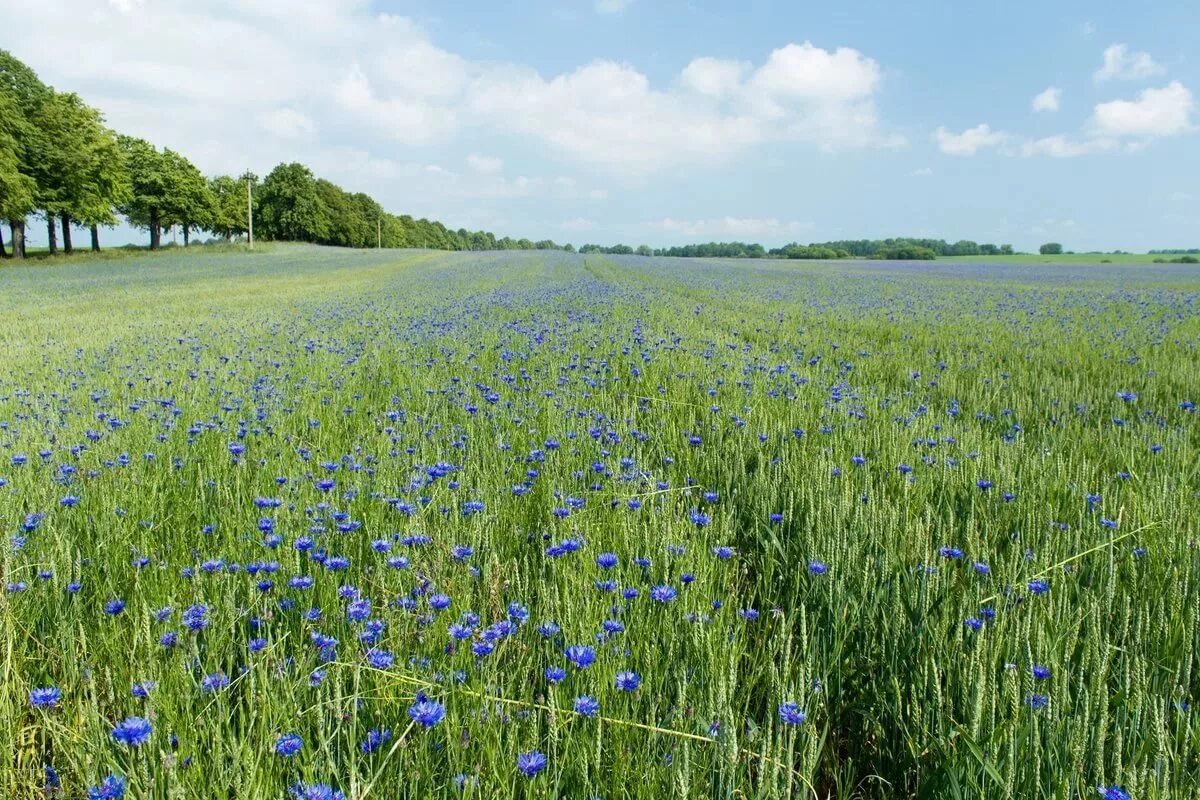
(112, 787)
(214, 682)
(132, 731)
(663, 594)
(114, 607)
(531, 763)
(46, 697)
(627, 681)
(315, 791)
(288, 744)
(1037, 701)
(1113, 792)
(380, 659)
(580, 655)
(1039, 586)
(791, 714)
(376, 738)
(427, 712)
(606, 560)
(587, 706)
(724, 552)
(817, 567)
(1039, 672)
(974, 623)
(439, 602)
(555, 674)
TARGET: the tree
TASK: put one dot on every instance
(1051, 249)
(24, 95)
(150, 186)
(290, 207)
(188, 201)
(16, 187)
(229, 196)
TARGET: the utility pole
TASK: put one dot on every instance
(250, 211)
(378, 233)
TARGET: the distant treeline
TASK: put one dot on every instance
(60, 162)
(1193, 251)
(895, 249)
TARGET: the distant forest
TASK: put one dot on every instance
(895, 249)
(59, 162)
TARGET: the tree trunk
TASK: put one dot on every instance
(186, 238)
(66, 225)
(95, 239)
(51, 233)
(155, 230)
(18, 237)
(3, 252)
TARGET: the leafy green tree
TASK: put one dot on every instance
(24, 95)
(229, 204)
(1051, 249)
(150, 186)
(17, 189)
(189, 203)
(290, 208)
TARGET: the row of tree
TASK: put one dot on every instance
(857, 248)
(59, 162)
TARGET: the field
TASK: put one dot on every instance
(387, 524)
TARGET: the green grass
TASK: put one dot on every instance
(596, 386)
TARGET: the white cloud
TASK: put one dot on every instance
(923, 172)
(577, 225)
(481, 163)
(612, 6)
(287, 123)
(805, 71)
(1047, 100)
(1119, 62)
(970, 141)
(716, 77)
(1155, 112)
(729, 226)
(407, 119)
(1064, 147)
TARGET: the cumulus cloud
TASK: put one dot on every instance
(729, 226)
(1155, 113)
(1047, 100)
(287, 123)
(970, 141)
(481, 163)
(1065, 147)
(362, 76)
(1121, 63)
(577, 225)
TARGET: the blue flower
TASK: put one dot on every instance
(587, 706)
(132, 731)
(288, 744)
(1040, 673)
(1037, 701)
(817, 567)
(1113, 792)
(315, 791)
(974, 623)
(581, 655)
(555, 674)
(214, 682)
(627, 681)
(380, 659)
(531, 763)
(46, 697)
(376, 738)
(426, 712)
(663, 594)
(1039, 586)
(112, 787)
(791, 714)
(606, 560)
(114, 607)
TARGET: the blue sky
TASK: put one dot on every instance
(671, 122)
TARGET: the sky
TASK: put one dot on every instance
(666, 121)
